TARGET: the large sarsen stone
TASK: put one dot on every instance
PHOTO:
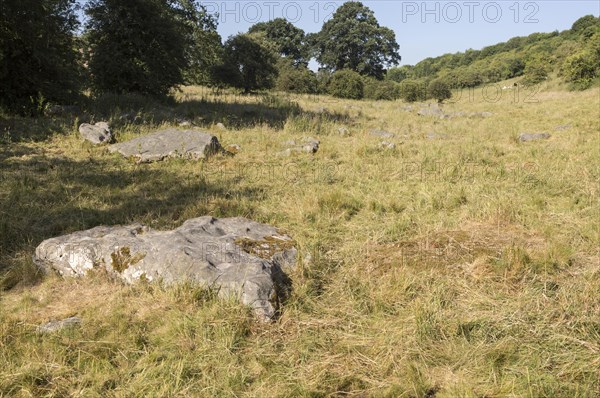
(188, 144)
(236, 256)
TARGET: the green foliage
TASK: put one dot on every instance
(38, 60)
(439, 90)
(135, 46)
(352, 39)
(346, 84)
(204, 49)
(288, 40)
(413, 90)
(387, 90)
(536, 71)
(398, 74)
(296, 79)
(584, 23)
(582, 68)
(532, 57)
(248, 64)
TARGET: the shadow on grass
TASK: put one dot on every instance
(201, 110)
(43, 197)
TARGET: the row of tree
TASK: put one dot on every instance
(573, 54)
(150, 46)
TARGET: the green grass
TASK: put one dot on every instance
(466, 266)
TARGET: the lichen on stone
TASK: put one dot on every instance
(122, 259)
(265, 248)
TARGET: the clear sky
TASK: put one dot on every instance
(423, 28)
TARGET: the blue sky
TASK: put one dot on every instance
(423, 28)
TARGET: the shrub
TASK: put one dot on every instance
(300, 80)
(581, 69)
(346, 84)
(413, 90)
(381, 90)
(439, 90)
(535, 72)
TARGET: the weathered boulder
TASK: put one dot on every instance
(170, 143)
(435, 136)
(305, 145)
(343, 132)
(235, 256)
(431, 111)
(526, 137)
(382, 134)
(563, 127)
(97, 134)
(387, 145)
(55, 326)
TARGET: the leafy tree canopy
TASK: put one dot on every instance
(248, 63)
(136, 45)
(288, 40)
(353, 39)
(38, 60)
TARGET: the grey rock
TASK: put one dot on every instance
(185, 123)
(221, 126)
(236, 256)
(526, 137)
(435, 136)
(187, 144)
(97, 134)
(563, 127)
(481, 114)
(305, 145)
(382, 134)
(387, 145)
(55, 326)
(433, 111)
(233, 148)
(344, 132)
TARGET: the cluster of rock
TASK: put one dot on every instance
(437, 112)
(170, 143)
(235, 257)
(160, 145)
(305, 145)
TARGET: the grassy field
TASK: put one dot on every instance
(465, 264)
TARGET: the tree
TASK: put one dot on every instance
(296, 79)
(584, 22)
(536, 71)
(135, 46)
(248, 64)
(346, 84)
(38, 60)
(397, 74)
(288, 40)
(204, 49)
(386, 90)
(439, 90)
(352, 39)
(413, 90)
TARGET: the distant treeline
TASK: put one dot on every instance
(573, 54)
(150, 46)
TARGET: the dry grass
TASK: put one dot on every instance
(464, 266)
